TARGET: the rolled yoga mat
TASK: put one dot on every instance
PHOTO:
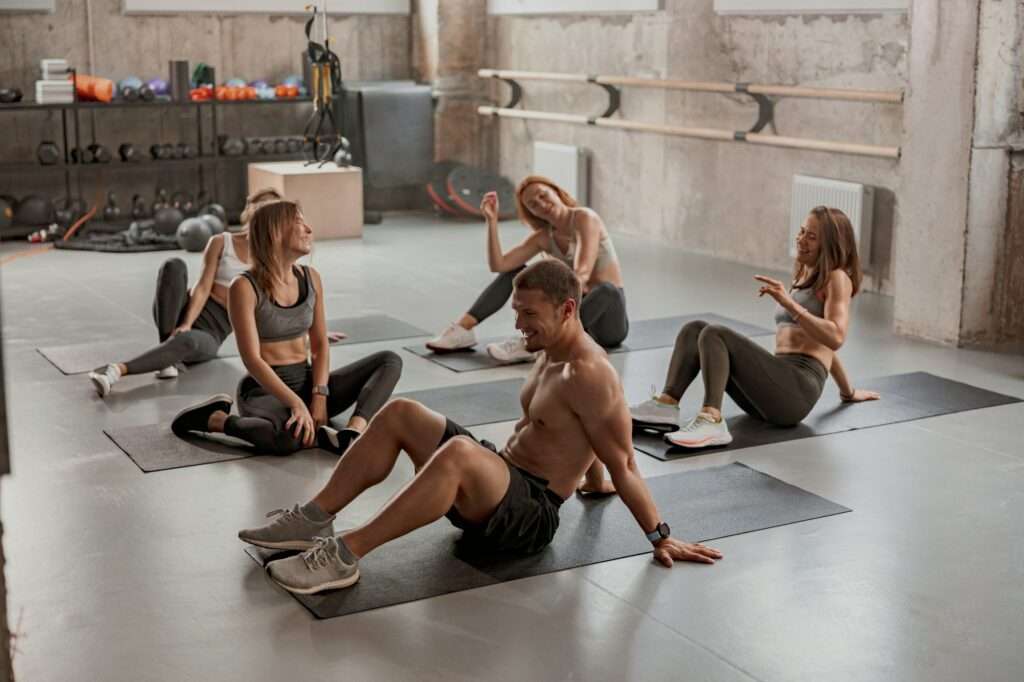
(643, 335)
(699, 506)
(85, 357)
(905, 397)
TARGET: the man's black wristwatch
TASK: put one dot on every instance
(660, 532)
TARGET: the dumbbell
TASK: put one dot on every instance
(127, 152)
(48, 153)
(79, 155)
(100, 154)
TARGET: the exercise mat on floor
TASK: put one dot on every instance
(643, 335)
(905, 397)
(473, 404)
(84, 357)
(700, 506)
(154, 447)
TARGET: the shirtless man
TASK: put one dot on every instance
(574, 409)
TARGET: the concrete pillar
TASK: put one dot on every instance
(957, 239)
(461, 134)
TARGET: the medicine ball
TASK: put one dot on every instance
(193, 233)
(167, 220)
(34, 210)
(217, 210)
(215, 224)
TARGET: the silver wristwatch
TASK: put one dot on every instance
(321, 389)
(660, 532)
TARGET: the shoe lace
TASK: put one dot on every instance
(321, 553)
(285, 514)
(696, 423)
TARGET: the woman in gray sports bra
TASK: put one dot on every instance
(289, 395)
(812, 318)
(560, 229)
(191, 324)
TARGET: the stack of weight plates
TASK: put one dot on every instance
(456, 191)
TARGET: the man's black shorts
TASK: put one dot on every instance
(526, 518)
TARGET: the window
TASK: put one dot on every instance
(571, 6)
(27, 5)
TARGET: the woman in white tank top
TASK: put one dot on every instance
(561, 229)
(191, 323)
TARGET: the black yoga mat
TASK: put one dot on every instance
(699, 505)
(643, 335)
(84, 357)
(905, 397)
(474, 404)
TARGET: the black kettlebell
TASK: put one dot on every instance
(161, 201)
(111, 212)
(100, 154)
(232, 146)
(280, 146)
(48, 153)
(129, 94)
(146, 93)
(10, 95)
(185, 151)
(139, 210)
(79, 155)
(127, 152)
(294, 145)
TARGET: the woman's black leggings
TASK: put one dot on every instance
(602, 310)
(200, 343)
(368, 383)
(780, 389)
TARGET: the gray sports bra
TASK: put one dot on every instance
(283, 323)
(804, 297)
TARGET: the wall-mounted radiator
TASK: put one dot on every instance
(566, 165)
(855, 200)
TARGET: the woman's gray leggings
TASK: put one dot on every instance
(200, 343)
(602, 310)
(368, 383)
(780, 389)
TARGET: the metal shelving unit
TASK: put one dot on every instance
(72, 138)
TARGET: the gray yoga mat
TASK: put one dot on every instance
(154, 447)
(474, 404)
(643, 335)
(84, 357)
(905, 397)
(699, 505)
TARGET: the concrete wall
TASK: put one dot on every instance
(97, 37)
(729, 200)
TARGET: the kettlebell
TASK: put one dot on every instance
(79, 155)
(160, 202)
(100, 154)
(48, 153)
(185, 151)
(111, 212)
(146, 93)
(139, 210)
(127, 152)
(183, 202)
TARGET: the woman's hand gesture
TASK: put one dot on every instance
(302, 425)
(773, 288)
(489, 207)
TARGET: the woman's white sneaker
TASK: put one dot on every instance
(655, 413)
(103, 378)
(702, 432)
(454, 337)
(169, 372)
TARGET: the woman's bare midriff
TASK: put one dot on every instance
(219, 293)
(290, 352)
(794, 340)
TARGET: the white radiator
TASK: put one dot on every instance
(855, 200)
(565, 165)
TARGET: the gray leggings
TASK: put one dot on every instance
(780, 389)
(368, 383)
(200, 343)
(602, 310)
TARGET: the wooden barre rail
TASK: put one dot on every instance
(700, 133)
(848, 95)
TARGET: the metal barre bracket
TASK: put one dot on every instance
(614, 96)
(765, 108)
(517, 92)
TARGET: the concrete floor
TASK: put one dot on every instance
(118, 575)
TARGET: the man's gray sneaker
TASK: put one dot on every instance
(290, 530)
(328, 565)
